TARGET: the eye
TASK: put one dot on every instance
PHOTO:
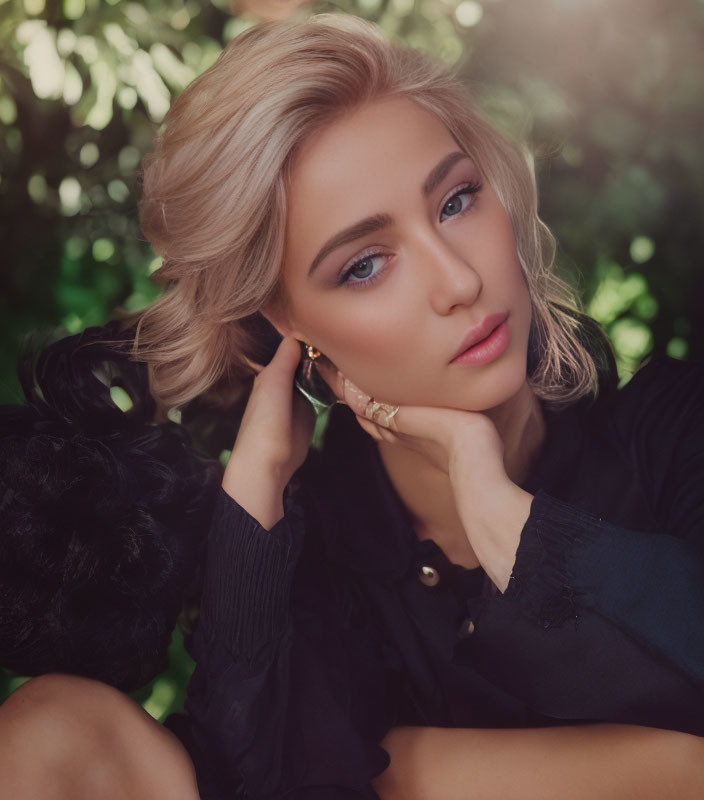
(360, 272)
(455, 204)
(363, 265)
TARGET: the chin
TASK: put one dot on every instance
(494, 389)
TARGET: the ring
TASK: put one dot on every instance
(380, 413)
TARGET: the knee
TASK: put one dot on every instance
(41, 722)
(82, 738)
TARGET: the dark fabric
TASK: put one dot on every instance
(317, 636)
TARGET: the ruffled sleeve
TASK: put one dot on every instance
(651, 585)
(245, 599)
(607, 619)
(287, 698)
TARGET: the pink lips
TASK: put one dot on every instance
(484, 342)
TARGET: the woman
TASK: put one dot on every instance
(491, 537)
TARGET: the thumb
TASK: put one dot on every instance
(288, 353)
(283, 357)
(286, 357)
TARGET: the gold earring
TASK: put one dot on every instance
(310, 383)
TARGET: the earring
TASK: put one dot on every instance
(310, 383)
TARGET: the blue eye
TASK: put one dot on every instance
(454, 206)
(366, 264)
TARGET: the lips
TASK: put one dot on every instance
(481, 331)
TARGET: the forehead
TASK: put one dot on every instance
(374, 138)
(359, 165)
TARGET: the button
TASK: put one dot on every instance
(466, 628)
(429, 576)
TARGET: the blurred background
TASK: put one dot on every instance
(607, 92)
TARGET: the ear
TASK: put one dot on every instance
(276, 314)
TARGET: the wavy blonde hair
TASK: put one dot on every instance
(215, 201)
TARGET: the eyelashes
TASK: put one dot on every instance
(469, 189)
(345, 278)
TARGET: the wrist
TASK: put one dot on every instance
(475, 462)
(493, 513)
(258, 488)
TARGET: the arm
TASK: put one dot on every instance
(281, 694)
(607, 619)
(287, 698)
(567, 562)
(605, 761)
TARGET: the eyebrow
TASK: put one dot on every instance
(378, 221)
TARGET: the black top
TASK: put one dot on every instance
(317, 636)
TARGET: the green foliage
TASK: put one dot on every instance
(167, 692)
(83, 86)
(608, 95)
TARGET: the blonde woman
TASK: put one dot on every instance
(487, 583)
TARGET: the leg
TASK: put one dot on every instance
(68, 737)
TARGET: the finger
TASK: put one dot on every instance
(370, 428)
(288, 353)
(284, 353)
(343, 388)
(378, 432)
(363, 406)
(331, 375)
(284, 361)
(353, 396)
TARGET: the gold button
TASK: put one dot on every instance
(429, 576)
(469, 626)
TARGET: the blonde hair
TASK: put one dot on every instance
(214, 203)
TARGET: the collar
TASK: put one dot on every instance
(364, 524)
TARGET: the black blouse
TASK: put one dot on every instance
(317, 636)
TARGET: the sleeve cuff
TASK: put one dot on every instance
(248, 573)
(542, 580)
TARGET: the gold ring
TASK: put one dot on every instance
(380, 413)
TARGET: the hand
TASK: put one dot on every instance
(467, 446)
(277, 424)
(440, 434)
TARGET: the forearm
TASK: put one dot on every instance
(493, 511)
(258, 489)
(580, 762)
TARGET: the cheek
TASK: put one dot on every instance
(367, 344)
(372, 353)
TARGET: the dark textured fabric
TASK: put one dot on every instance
(317, 636)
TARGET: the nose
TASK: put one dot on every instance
(450, 277)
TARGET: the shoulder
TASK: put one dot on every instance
(660, 406)
(661, 368)
(662, 390)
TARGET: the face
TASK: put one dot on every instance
(391, 302)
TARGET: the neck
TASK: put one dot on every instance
(427, 492)
(521, 424)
